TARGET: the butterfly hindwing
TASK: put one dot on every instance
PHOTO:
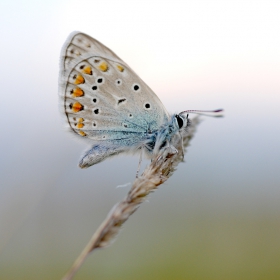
(102, 98)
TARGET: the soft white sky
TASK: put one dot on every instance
(192, 51)
(193, 54)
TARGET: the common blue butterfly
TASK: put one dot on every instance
(105, 102)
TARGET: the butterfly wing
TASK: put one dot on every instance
(102, 98)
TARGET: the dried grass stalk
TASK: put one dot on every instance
(161, 168)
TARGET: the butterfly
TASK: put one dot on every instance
(105, 102)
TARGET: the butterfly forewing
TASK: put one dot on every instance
(79, 44)
(103, 99)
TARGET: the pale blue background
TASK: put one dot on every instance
(218, 216)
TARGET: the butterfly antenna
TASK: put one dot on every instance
(209, 113)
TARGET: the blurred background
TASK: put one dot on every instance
(218, 216)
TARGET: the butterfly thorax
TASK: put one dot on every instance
(157, 139)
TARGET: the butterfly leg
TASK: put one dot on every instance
(182, 142)
(140, 161)
(171, 146)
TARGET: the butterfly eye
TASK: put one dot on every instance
(180, 121)
(136, 87)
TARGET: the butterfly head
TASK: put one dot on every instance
(180, 121)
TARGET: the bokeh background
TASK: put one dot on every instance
(218, 216)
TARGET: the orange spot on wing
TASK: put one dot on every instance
(103, 66)
(80, 120)
(120, 68)
(77, 107)
(77, 92)
(80, 125)
(79, 79)
(87, 70)
(82, 133)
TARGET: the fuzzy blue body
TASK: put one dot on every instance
(150, 142)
